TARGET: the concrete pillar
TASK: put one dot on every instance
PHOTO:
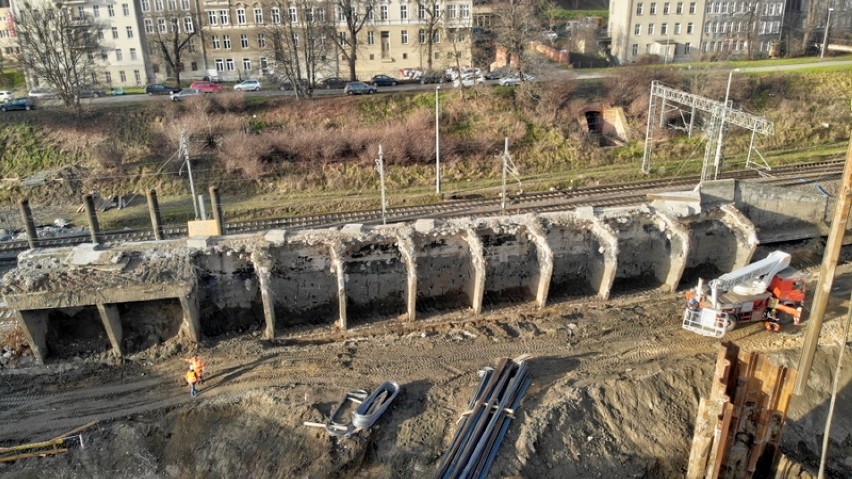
(744, 231)
(477, 260)
(154, 211)
(678, 235)
(91, 215)
(262, 259)
(405, 243)
(29, 224)
(34, 324)
(603, 274)
(216, 204)
(545, 259)
(112, 325)
(336, 254)
(191, 319)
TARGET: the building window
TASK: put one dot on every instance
(371, 38)
(220, 65)
(115, 33)
(421, 12)
(118, 56)
(158, 5)
(241, 16)
(125, 10)
(146, 5)
(108, 77)
(686, 47)
(184, 5)
(635, 50)
(223, 17)
(193, 66)
(664, 29)
(261, 40)
(293, 15)
(403, 12)
(258, 16)
(129, 32)
(191, 47)
(229, 64)
(690, 28)
(639, 8)
(172, 5)
(677, 29)
(464, 10)
(149, 25)
(404, 37)
(110, 10)
(247, 64)
(214, 42)
(226, 41)
(383, 13)
(137, 77)
(650, 29)
(122, 77)
(187, 25)
(421, 36)
(691, 8)
(100, 37)
(161, 25)
(707, 27)
(276, 15)
(666, 8)
(96, 11)
(653, 9)
(244, 40)
(212, 19)
(133, 54)
(679, 8)
(637, 29)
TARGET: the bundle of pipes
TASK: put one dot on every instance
(482, 427)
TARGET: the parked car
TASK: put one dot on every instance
(332, 82)
(515, 80)
(206, 86)
(40, 92)
(90, 92)
(18, 104)
(499, 73)
(185, 93)
(5, 95)
(359, 88)
(118, 91)
(161, 89)
(286, 84)
(468, 80)
(433, 77)
(384, 80)
(248, 85)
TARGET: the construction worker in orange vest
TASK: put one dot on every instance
(197, 365)
(191, 379)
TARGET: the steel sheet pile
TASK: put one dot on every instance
(482, 427)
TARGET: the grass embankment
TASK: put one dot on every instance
(283, 157)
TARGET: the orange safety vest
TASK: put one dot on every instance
(197, 363)
(191, 378)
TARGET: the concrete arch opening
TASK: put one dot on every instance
(713, 252)
(376, 281)
(578, 263)
(147, 323)
(644, 254)
(303, 287)
(444, 273)
(511, 266)
(74, 332)
(228, 293)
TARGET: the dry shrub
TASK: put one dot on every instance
(245, 153)
(12, 338)
(630, 89)
(110, 156)
(230, 101)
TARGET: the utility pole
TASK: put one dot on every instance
(718, 161)
(508, 168)
(184, 152)
(825, 35)
(380, 164)
(826, 275)
(437, 142)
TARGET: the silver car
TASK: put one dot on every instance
(248, 85)
(185, 93)
(40, 92)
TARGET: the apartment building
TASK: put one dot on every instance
(236, 40)
(8, 46)
(679, 31)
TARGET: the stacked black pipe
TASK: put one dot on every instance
(482, 427)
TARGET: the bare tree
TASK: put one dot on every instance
(354, 14)
(172, 38)
(430, 16)
(517, 26)
(300, 45)
(815, 14)
(57, 46)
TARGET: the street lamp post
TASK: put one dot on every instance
(825, 34)
(718, 160)
(437, 143)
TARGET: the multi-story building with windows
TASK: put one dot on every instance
(689, 30)
(239, 40)
(8, 45)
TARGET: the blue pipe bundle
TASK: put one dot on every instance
(483, 426)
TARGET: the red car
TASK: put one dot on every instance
(206, 86)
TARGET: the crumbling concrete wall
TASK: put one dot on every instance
(74, 331)
(444, 270)
(721, 240)
(304, 288)
(376, 278)
(511, 262)
(578, 258)
(228, 291)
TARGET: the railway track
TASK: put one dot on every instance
(560, 200)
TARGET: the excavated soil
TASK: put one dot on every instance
(615, 390)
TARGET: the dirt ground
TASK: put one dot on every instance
(615, 391)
